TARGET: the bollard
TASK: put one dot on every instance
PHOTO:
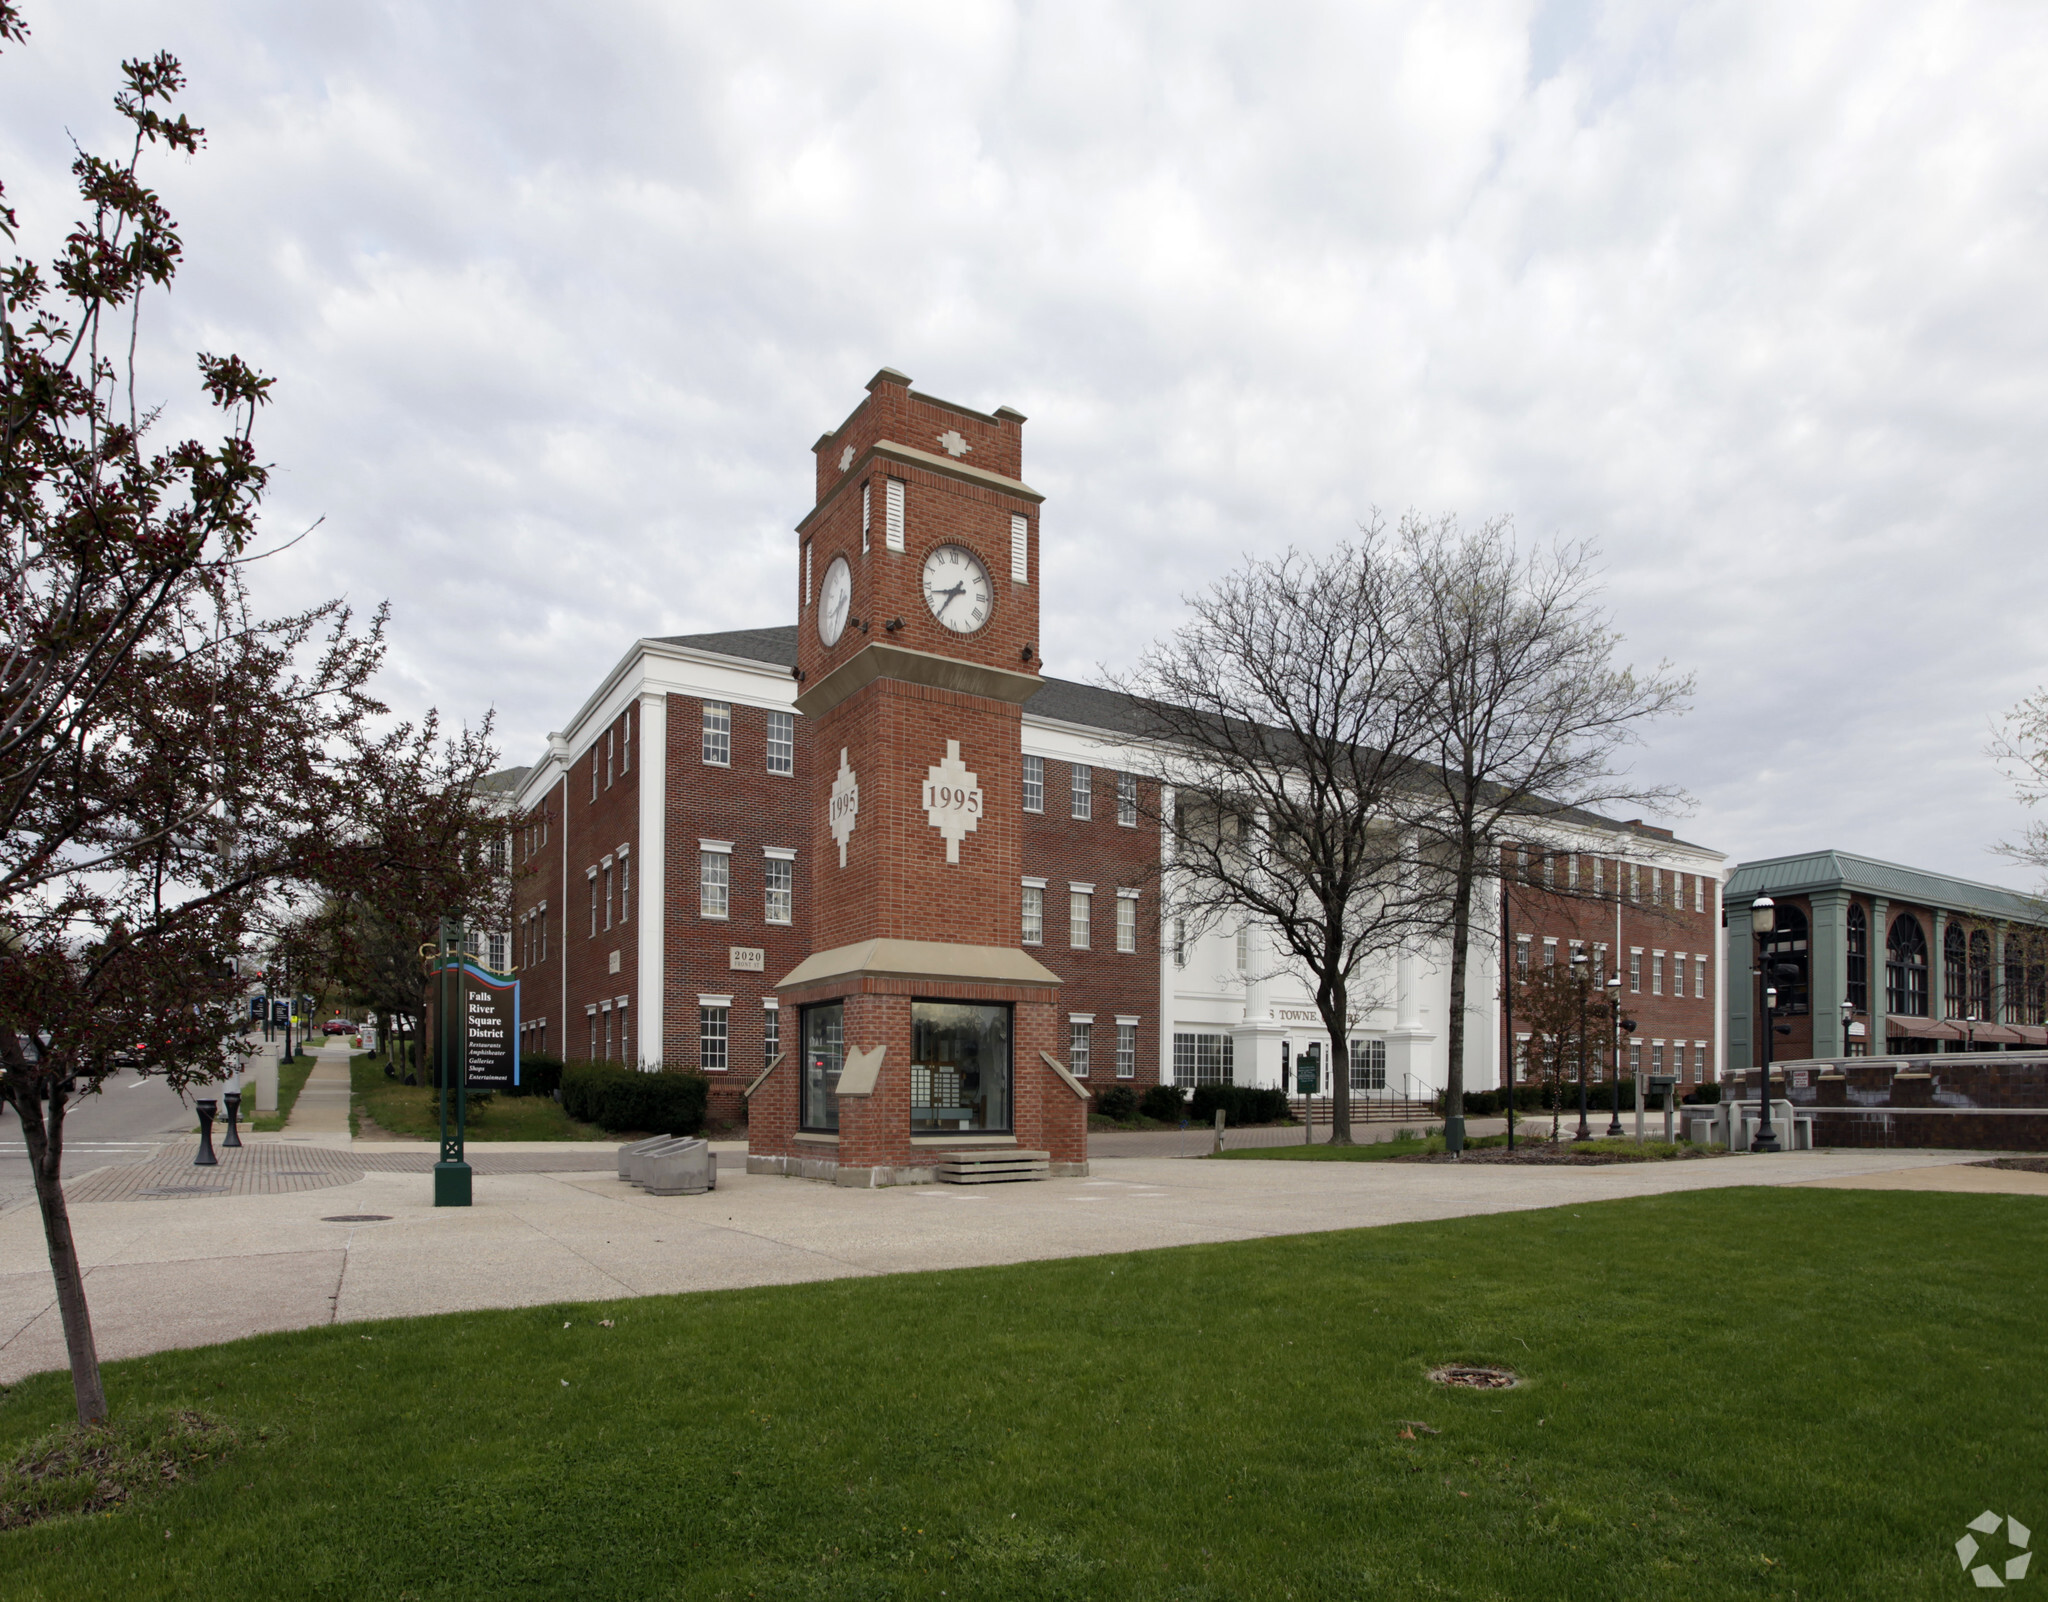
(233, 1102)
(206, 1158)
(1219, 1131)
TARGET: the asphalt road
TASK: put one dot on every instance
(127, 1121)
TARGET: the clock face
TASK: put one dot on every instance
(833, 600)
(956, 588)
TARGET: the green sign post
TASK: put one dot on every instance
(451, 1173)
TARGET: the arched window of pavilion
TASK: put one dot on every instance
(1788, 947)
(1955, 954)
(1980, 974)
(1905, 967)
(1858, 989)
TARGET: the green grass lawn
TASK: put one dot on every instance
(291, 1079)
(414, 1111)
(1732, 1394)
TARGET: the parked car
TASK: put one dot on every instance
(340, 1026)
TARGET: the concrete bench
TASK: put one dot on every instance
(682, 1168)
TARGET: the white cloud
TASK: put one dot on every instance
(559, 297)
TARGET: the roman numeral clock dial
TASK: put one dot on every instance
(956, 588)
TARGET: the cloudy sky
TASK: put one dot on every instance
(558, 296)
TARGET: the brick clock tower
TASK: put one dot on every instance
(918, 1036)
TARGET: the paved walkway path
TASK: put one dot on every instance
(320, 1115)
(186, 1268)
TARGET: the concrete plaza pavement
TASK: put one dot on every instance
(174, 1270)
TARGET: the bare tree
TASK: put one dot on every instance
(1280, 717)
(1525, 720)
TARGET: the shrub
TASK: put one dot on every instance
(1164, 1103)
(660, 1103)
(1239, 1104)
(1703, 1096)
(617, 1098)
(1117, 1101)
(539, 1075)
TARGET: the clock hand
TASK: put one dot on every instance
(951, 595)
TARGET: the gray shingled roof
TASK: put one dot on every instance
(505, 780)
(1088, 706)
(1822, 870)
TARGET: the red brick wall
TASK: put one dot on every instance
(897, 883)
(1062, 849)
(753, 808)
(1540, 912)
(596, 829)
(537, 879)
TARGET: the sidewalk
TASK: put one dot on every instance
(320, 1115)
(188, 1260)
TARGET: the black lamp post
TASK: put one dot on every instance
(1762, 921)
(1614, 1078)
(1613, 989)
(1582, 970)
(1848, 1017)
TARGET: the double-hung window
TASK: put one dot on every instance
(1080, 908)
(1034, 784)
(1127, 1048)
(592, 876)
(1656, 973)
(1127, 800)
(714, 878)
(1635, 970)
(607, 865)
(1127, 921)
(778, 879)
(717, 734)
(625, 883)
(782, 742)
(1084, 791)
(714, 1019)
(1678, 974)
(1034, 912)
(771, 1031)
(1080, 1042)
(1699, 977)
(626, 745)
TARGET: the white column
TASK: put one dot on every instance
(1406, 1015)
(648, 999)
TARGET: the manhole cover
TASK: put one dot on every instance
(1475, 1377)
(358, 1218)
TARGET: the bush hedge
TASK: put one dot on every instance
(1164, 1103)
(1117, 1101)
(539, 1075)
(1239, 1104)
(618, 1098)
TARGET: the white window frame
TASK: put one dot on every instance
(1080, 917)
(1127, 800)
(1034, 784)
(1081, 791)
(778, 861)
(1127, 922)
(714, 888)
(590, 873)
(1080, 1043)
(782, 742)
(1032, 913)
(1635, 970)
(1678, 975)
(1127, 1047)
(626, 744)
(1656, 973)
(717, 746)
(771, 1029)
(714, 1027)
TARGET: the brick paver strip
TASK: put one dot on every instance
(273, 1169)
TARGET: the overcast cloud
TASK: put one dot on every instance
(558, 297)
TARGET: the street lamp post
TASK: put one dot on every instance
(1848, 1017)
(1582, 971)
(1762, 921)
(1613, 988)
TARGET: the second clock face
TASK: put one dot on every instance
(834, 597)
(956, 588)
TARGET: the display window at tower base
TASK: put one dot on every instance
(959, 1068)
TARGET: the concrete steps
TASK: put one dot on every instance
(1000, 1165)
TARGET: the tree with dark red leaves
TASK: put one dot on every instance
(176, 773)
